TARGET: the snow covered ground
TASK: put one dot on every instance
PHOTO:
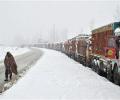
(57, 77)
(14, 50)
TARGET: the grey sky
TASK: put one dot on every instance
(24, 21)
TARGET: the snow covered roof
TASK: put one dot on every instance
(79, 36)
(72, 35)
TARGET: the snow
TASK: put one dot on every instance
(14, 50)
(117, 31)
(55, 76)
(72, 35)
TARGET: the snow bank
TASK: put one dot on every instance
(55, 76)
(14, 50)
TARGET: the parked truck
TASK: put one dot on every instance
(106, 51)
(72, 47)
(82, 49)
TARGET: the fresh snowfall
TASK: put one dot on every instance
(14, 50)
(57, 77)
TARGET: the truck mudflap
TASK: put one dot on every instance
(119, 69)
(116, 75)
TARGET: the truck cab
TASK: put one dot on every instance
(113, 54)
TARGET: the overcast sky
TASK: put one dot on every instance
(27, 20)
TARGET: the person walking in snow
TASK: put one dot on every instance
(10, 66)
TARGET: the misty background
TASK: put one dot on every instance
(26, 22)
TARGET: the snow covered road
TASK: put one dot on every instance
(23, 61)
(57, 77)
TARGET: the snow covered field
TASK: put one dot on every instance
(14, 50)
(57, 77)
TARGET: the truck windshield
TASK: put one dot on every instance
(111, 43)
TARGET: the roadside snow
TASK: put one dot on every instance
(55, 76)
(14, 50)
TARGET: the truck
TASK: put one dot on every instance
(105, 56)
(82, 49)
(66, 46)
(72, 47)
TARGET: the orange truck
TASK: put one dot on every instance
(105, 43)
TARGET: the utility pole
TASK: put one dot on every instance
(54, 33)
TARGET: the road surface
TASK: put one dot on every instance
(23, 61)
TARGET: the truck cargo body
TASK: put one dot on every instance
(73, 47)
(81, 51)
(67, 48)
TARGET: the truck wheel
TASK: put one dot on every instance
(109, 74)
(98, 70)
(115, 75)
(89, 64)
(93, 66)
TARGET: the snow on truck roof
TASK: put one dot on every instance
(102, 28)
(80, 36)
(117, 31)
(110, 26)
